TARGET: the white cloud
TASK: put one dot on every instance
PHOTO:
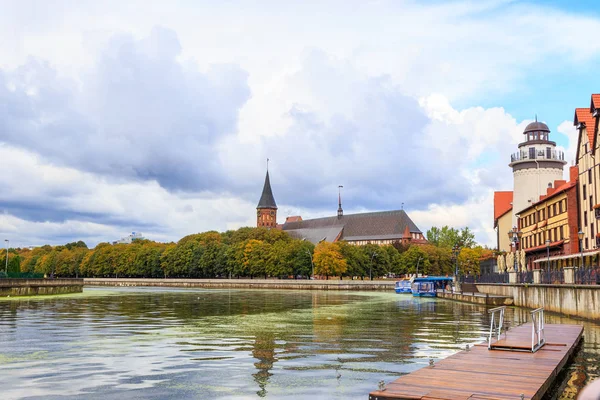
(360, 94)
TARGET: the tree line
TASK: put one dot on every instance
(250, 252)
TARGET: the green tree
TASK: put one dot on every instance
(412, 258)
(356, 259)
(449, 237)
(378, 260)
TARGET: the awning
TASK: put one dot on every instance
(566, 256)
(543, 246)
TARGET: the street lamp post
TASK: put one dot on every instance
(548, 254)
(514, 235)
(455, 251)
(6, 267)
(371, 266)
(580, 235)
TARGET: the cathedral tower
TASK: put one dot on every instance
(535, 167)
(266, 210)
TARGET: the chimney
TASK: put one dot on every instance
(573, 173)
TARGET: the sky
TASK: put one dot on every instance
(158, 117)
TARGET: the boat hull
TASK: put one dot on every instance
(427, 294)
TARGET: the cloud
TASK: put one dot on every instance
(44, 203)
(111, 124)
(140, 113)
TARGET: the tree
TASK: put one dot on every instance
(356, 259)
(328, 260)
(449, 237)
(378, 260)
(440, 259)
(413, 257)
(468, 260)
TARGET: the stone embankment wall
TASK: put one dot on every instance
(572, 300)
(477, 298)
(34, 287)
(300, 284)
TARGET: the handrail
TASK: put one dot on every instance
(538, 338)
(496, 329)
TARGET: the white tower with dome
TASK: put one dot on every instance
(535, 166)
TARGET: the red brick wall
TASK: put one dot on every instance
(263, 218)
(573, 221)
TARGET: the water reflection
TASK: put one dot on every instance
(154, 344)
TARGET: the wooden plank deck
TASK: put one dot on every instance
(482, 374)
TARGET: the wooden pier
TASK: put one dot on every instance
(507, 371)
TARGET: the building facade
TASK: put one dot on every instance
(549, 226)
(129, 239)
(503, 219)
(588, 162)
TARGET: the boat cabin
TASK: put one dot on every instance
(427, 286)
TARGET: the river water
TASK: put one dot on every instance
(149, 343)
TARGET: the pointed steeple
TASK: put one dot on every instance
(340, 212)
(266, 199)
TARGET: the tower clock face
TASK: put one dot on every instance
(272, 213)
(258, 213)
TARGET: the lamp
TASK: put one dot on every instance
(580, 234)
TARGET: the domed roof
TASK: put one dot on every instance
(536, 127)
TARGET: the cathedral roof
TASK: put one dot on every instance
(365, 226)
(266, 199)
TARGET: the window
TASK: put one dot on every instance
(561, 232)
(554, 209)
(584, 191)
(585, 218)
(532, 153)
(548, 153)
(555, 233)
(587, 246)
(543, 214)
(590, 175)
(585, 148)
(592, 228)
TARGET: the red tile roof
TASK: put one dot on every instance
(502, 204)
(595, 102)
(584, 116)
(559, 189)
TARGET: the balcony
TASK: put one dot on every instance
(541, 155)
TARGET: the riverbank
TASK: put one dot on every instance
(36, 287)
(571, 300)
(291, 284)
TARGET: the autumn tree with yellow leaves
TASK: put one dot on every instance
(328, 260)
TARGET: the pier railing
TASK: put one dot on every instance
(496, 327)
(537, 329)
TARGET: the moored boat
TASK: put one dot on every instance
(403, 286)
(427, 286)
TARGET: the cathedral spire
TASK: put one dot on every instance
(266, 199)
(340, 212)
(266, 210)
